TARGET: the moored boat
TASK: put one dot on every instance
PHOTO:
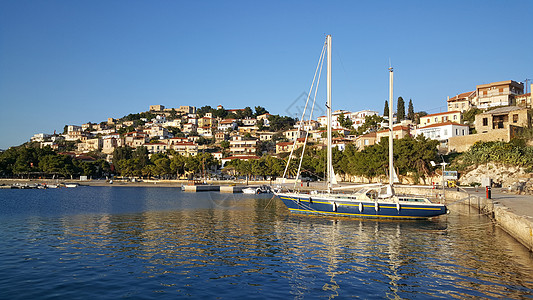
(370, 201)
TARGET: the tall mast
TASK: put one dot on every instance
(391, 129)
(328, 105)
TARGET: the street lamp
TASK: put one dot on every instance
(443, 164)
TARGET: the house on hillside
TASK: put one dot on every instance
(227, 125)
(239, 146)
(363, 141)
(461, 102)
(398, 131)
(500, 93)
(185, 148)
(449, 116)
(284, 147)
(156, 147)
(501, 118)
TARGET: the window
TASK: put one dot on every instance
(485, 122)
(455, 117)
(436, 119)
(515, 118)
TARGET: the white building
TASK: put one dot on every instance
(443, 131)
(40, 137)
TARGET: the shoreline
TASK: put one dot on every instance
(145, 183)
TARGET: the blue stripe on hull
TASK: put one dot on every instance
(351, 209)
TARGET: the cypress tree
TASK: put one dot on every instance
(411, 111)
(386, 109)
(400, 112)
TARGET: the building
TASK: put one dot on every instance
(136, 139)
(502, 118)
(227, 124)
(158, 131)
(221, 136)
(461, 102)
(283, 147)
(110, 143)
(249, 121)
(186, 109)
(264, 118)
(398, 131)
(307, 125)
(293, 134)
(205, 131)
(157, 108)
(185, 148)
(205, 122)
(90, 145)
(266, 136)
(524, 100)
(239, 145)
(40, 137)
(189, 127)
(443, 132)
(500, 93)
(450, 116)
(156, 147)
(358, 118)
(363, 141)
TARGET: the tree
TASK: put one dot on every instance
(247, 112)
(177, 164)
(400, 111)
(386, 109)
(470, 115)
(205, 109)
(411, 111)
(173, 114)
(372, 123)
(344, 122)
(278, 123)
(259, 110)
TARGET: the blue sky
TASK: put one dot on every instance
(72, 62)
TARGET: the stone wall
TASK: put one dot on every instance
(519, 227)
(463, 143)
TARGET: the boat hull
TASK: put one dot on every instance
(310, 204)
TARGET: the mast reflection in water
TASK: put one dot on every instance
(159, 242)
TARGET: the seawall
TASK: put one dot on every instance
(516, 220)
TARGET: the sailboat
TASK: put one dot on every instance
(370, 201)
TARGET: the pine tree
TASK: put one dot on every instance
(386, 109)
(400, 112)
(411, 111)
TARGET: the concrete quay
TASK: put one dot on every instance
(513, 213)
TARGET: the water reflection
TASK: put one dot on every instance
(215, 245)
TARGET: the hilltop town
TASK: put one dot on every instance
(492, 112)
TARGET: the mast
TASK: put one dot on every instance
(330, 173)
(391, 129)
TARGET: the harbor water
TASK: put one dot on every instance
(162, 243)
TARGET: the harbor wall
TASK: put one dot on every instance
(519, 227)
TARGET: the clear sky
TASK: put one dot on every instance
(72, 62)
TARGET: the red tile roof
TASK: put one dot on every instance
(442, 113)
(462, 96)
(443, 124)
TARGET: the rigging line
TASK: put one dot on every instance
(310, 118)
(305, 108)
